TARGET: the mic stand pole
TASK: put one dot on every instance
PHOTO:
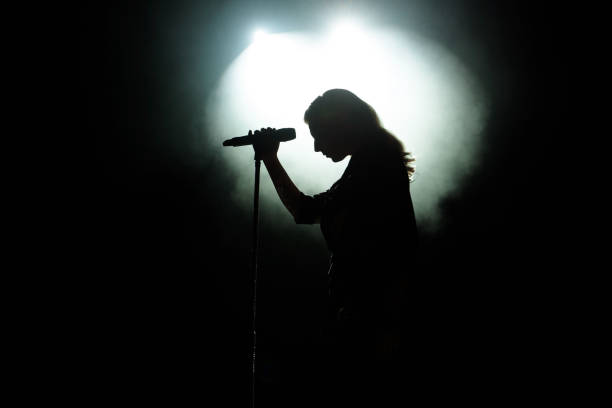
(254, 269)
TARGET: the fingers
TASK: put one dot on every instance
(262, 130)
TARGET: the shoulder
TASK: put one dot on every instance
(379, 160)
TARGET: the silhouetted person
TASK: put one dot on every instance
(368, 222)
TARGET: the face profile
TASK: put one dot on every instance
(329, 142)
(338, 122)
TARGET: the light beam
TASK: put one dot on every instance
(259, 35)
(421, 91)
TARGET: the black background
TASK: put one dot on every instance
(167, 291)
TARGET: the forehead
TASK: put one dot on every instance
(318, 130)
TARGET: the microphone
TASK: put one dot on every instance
(275, 135)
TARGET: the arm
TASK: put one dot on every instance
(266, 149)
(287, 191)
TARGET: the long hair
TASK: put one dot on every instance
(344, 105)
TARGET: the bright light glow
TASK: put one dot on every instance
(260, 35)
(421, 92)
(346, 32)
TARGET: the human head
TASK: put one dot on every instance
(339, 122)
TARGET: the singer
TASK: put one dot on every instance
(368, 222)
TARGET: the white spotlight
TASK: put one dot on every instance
(345, 31)
(347, 38)
(259, 35)
(421, 92)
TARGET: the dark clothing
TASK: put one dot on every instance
(368, 222)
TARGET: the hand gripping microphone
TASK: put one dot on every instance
(276, 135)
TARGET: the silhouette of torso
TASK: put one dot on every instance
(368, 222)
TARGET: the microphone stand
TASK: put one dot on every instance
(254, 269)
(281, 135)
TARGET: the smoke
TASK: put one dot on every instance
(422, 93)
